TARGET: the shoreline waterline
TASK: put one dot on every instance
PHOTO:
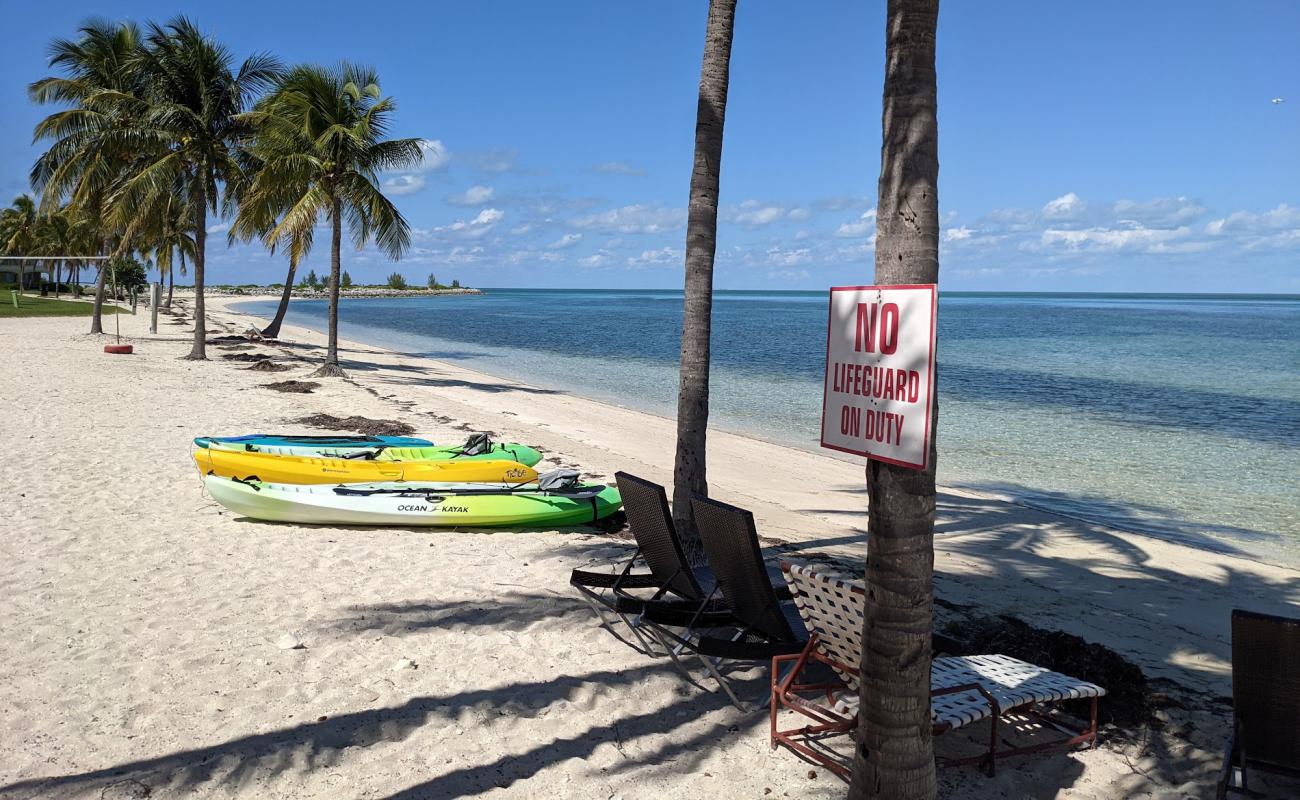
(640, 383)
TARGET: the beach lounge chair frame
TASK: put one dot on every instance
(757, 625)
(1265, 699)
(964, 689)
(672, 563)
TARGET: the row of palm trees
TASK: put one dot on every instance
(51, 240)
(159, 130)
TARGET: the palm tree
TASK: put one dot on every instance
(894, 757)
(184, 135)
(689, 475)
(21, 229)
(99, 80)
(256, 217)
(169, 241)
(54, 240)
(318, 138)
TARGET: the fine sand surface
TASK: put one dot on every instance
(144, 641)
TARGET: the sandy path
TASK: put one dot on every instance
(140, 642)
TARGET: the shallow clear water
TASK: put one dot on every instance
(1172, 414)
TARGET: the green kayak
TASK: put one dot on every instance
(407, 504)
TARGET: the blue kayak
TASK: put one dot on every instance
(332, 442)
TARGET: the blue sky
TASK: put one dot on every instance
(1105, 146)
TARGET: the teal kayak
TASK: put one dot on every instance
(477, 449)
(312, 442)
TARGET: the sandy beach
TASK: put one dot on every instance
(145, 644)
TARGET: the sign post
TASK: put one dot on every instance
(155, 297)
(879, 388)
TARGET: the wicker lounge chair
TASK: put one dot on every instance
(963, 689)
(1265, 699)
(678, 581)
(757, 625)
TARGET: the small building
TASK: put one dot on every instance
(33, 277)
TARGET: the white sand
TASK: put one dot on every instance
(141, 627)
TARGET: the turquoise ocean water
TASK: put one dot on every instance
(1172, 414)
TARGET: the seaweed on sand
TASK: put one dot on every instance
(293, 387)
(266, 365)
(246, 356)
(357, 424)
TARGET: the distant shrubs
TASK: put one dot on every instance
(310, 282)
(433, 281)
(455, 284)
(346, 280)
(397, 281)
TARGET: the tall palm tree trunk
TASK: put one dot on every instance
(689, 475)
(101, 274)
(894, 757)
(171, 282)
(199, 351)
(58, 275)
(331, 368)
(272, 331)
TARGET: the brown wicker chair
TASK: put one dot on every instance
(1265, 699)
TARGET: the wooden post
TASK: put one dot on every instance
(155, 297)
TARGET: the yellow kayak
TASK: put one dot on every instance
(304, 469)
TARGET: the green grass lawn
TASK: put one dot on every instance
(31, 306)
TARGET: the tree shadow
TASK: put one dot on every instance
(510, 610)
(246, 762)
(236, 762)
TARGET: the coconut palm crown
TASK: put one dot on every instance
(185, 133)
(100, 83)
(319, 145)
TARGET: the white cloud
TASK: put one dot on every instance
(865, 225)
(399, 185)
(664, 255)
(1135, 237)
(220, 227)
(520, 230)
(1162, 212)
(436, 156)
(598, 259)
(566, 241)
(1280, 218)
(475, 228)
(1066, 206)
(759, 216)
(465, 255)
(473, 196)
(788, 257)
(957, 234)
(617, 168)
(633, 219)
(436, 159)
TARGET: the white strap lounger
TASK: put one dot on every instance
(963, 689)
